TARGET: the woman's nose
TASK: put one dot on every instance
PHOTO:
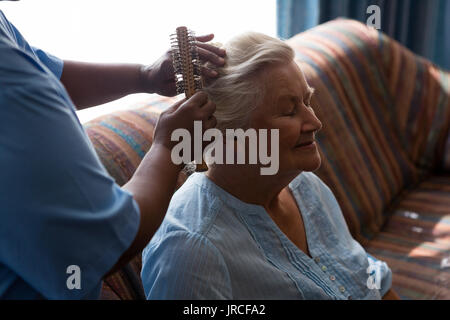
(311, 122)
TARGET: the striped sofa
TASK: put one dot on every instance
(385, 148)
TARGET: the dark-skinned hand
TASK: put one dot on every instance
(159, 77)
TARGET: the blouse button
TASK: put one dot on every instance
(317, 259)
(349, 298)
(332, 278)
(324, 268)
(341, 289)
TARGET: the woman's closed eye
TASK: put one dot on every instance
(292, 111)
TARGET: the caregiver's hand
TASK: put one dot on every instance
(159, 77)
(182, 115)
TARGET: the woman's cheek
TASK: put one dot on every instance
(289, 135)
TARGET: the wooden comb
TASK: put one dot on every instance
(186, 65)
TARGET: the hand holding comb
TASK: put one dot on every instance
(187, 68)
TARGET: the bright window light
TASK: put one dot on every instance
(135, 31)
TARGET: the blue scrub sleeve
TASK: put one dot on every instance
(54, 64)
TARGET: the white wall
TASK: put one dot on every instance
(130, 31)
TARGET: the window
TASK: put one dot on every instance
(135, 31)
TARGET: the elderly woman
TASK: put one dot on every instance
(234, 233)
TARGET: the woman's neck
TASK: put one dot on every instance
(247, 184)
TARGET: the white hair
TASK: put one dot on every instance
(238, 90)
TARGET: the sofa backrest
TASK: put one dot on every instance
(385, 115)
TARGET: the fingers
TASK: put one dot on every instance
(207, 72)
(198, 99)
(198, 107)
(175, 106)
(193, 104)
(205, 38)
(209, 123)
(207, 55)
(218, 51)
(208, 110)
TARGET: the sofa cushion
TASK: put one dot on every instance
(415, 243)
(379, 133)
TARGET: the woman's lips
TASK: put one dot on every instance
(306, 145)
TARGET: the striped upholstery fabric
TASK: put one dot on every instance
(381, 129)
(125, 284)
(446, 158)
(383, 136)
(416, 241)
(121, 139)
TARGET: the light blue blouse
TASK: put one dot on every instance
(212, 245)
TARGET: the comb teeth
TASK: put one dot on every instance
(186, 62)
(181, 88)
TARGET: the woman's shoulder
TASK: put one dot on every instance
(195, 193)
(316, 193)
(308, 179)
(192, 208)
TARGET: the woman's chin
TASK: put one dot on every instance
(311, 164)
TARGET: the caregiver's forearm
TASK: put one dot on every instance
(152, 186)
(91, 84)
